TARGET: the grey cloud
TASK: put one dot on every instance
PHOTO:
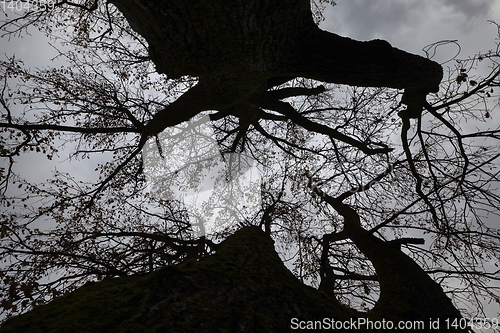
(365, 20)
(411, 25)
(471, 9)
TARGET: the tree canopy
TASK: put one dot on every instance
(372, 188)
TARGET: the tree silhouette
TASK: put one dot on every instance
(353, 182)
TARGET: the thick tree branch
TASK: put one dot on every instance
(396, 243)
(206, 95)
(243, 56)
(401, 280)
(287, 110)
(331, 58)
(61, 128)
(294, 91)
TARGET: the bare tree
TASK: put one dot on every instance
(356, 182)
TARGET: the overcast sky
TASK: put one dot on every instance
(407, 24)
(412, 24)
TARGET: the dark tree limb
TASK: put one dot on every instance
(203, 96)
(241, 48)
(74, 129)
(287, 110)
(414, 171)
(401, 280)
(294, 91)
(396, 243)
(331, 58)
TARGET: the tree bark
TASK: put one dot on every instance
(219, 38)
(406, 290)
(244, 287)
(240, 44)
(407, 293)
(331, 58)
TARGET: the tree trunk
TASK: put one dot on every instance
(238, 47)
(244, 287)
(406, 291)
(241, 44)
